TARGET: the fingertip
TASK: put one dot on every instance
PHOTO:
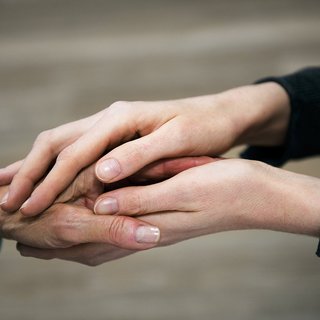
(19, 191)
(27, 213)
(5, 204)
(38, 201)
(106, 205)
(24, 209)
(29, 209)
(107, 170)
(143, 235)
(148, 235)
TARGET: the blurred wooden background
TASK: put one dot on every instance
(62, 60)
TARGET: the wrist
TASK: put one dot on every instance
(301, 215)
(292, 203)
(260, 114)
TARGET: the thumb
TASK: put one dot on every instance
(141, 200)
(80, 225)
(134, 155)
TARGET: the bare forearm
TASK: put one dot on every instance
(292, 203)
(303, 194)
(260, 113)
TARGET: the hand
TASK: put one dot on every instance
(68, 225)
(214, 197)
(226, 195)
(220, 196)
(135, 134)
(70, 231)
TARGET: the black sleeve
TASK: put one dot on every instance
(303, 88)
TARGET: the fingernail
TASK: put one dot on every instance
(106, 206)
(4, 199)
(108, 169)
(25, 204)
(146, 234)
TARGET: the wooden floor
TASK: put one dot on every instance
(62, 60)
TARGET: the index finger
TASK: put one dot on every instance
(35, 165)
(111, 129)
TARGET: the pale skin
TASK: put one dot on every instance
(69, 230)
(196, 199)
(139, 133)
(210, 198)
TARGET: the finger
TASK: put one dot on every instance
(64, 226)
(132, 156)
(141, 200)
(91, 254)
(7, 174)
(83, 190)
(120, 231)
(167, 168)
(113, 128)
(44, 151)
(168, 195)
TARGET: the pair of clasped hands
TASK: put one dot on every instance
(138, 175)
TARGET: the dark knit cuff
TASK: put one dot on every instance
(303, 89)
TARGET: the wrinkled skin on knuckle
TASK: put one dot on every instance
(64, 225)
(118, 230)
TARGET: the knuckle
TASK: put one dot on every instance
(120, 107)
(43, 137)
(46, 140)
(136, 151)
(133, 204)
(59, 227)
(66, 153)
(117, 229)
(69, 154)
(63, 225)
